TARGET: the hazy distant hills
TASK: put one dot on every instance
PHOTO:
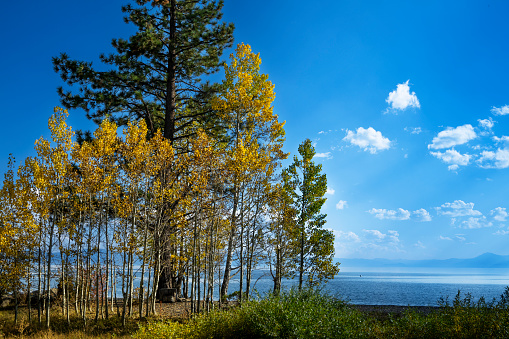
(486, 260)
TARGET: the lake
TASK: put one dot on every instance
(403, 286)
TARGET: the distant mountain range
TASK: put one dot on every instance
(486, 260)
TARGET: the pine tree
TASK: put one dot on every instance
(155, 75)
(315, 245)
(158, 75)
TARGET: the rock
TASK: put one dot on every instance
(168, 295)
(6, 300)
(34, 298)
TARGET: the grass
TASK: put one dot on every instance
(103, 328)
(307, 314)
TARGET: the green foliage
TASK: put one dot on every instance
(314, 314)
(163, 330)
(306, 314)
(156, 74)
(307, 186)
(464, 318)
(282, 239)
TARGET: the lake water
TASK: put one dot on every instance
(403, 286)
(393, 285)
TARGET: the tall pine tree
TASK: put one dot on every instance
(157, 74)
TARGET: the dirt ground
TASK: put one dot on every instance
(181, 310)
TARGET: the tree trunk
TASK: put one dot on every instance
(277, 278)
(48, 276)
(171, 94)
(98, 270)
(228, 264)
(39, 289)
(301, 264)
(106, 287)
(143, 263)
(29, 286)
(16, 305)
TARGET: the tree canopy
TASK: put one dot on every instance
(159, 74)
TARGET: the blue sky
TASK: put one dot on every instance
(406, 102)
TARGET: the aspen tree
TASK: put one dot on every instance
(162, 165)
(98, 167)
(25, 199)
(255, 135)
(315, 245)
(134, 152)
(17, 232)
(282, 240)
(86, 189)
(159, 155)
(53, 165)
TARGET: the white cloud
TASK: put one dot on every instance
(422, 215)
(419, 244)
(473, 223)
(368, 243)
(330, 191)
(486, 123)
(460, 237)
(326, 155)
(498, 159)
(444, 238)
(413, 130)
(502, 140)
(451, 137)
(375, 234)
(453, 158)
(499, 214)
(371, 243)
(393, 236)
(401, 98)
(504, 110)
(368, 139)
(501, 232)
(347, 236)
(381, 214)
(458, 208)
(400, 214)
(342, 204)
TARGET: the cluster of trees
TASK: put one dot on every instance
(179, 186)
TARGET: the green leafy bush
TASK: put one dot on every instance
(306, 314)
(315, 314)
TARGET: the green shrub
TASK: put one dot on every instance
(465, 318)
(315, 314)
(306, 314)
